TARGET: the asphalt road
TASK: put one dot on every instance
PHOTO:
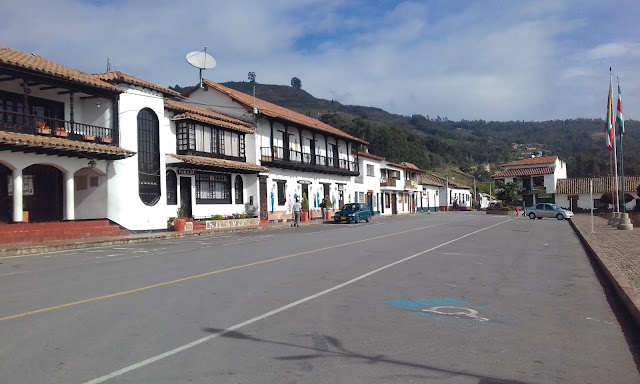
(443, 298)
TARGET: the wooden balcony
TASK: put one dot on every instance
(388, 182)
(36, 125)
(298, 160)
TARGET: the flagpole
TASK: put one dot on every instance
(610, 147)
(621, 121)
(615, 155)
(591, 191)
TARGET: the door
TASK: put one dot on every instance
(336, 162)
(394, 204)
(185, 195)
(264, 210)
(370, 202)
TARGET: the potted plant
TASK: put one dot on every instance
(327, 201)
(43, 129)
(181, 220)
(25, 211)
(304, 215)
(88, 137)
(106, 140)
(60, 132)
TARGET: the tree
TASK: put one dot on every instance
(296, 83)
(508, 192)
(252, 77)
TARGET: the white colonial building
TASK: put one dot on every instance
(430, 195)
(575, 193)
(60, 139)
(536, 177)
(305, 157)
(366, 186)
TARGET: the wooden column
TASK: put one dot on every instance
(271, 139)
(71, 115)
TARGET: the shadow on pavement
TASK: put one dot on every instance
(321, 350)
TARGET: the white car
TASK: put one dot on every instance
(548, 210)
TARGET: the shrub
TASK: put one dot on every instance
(305, 203)
(217, 217)
(327, 201)
(250, 210)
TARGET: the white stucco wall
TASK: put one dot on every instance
(125, 206)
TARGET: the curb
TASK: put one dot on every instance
(625, 292)
(131, 239)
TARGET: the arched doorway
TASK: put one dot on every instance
(44, 201)
(5, 199)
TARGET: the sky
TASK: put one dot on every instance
(491, 60)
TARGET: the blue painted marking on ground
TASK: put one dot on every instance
(417, 306)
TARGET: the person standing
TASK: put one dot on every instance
(517, 211)
(323, 207)
(296, 213)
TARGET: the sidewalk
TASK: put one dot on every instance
(61, 245)
(618, 253)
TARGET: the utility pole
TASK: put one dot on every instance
(446, 191)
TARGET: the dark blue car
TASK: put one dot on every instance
(355, 212)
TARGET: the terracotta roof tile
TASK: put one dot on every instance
(579, 186)
(83, 149)
(219, 163)
(38, 64)
(272, 110)
(443, 182)
(424, 180)
(369, 155)
(532, 161)
(208, 120)
(524, 172)
(121, 77)
(219, 118)
(410, 166)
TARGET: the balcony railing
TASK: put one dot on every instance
(23, 123)
(320, 163)
(410, 184)
(388, 182)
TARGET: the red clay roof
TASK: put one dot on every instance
(580, 186)
(272, 110)
(369, 155)
(220, 119)
(424, 180)
(524, 172)
(533, 161)
(83, 149)
(210, 121)
(410, 166)
(220, 163)
(121, 77)
(38, 64)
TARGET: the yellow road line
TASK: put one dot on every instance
(205, 274)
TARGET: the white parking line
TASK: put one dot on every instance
(195, 343)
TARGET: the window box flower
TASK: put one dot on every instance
(106, 140)
(88, 137)
(43, 129)
(60, 132)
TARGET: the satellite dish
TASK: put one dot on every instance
(201, 60)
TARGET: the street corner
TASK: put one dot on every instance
(450, 311)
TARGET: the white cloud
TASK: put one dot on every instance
(493, 62)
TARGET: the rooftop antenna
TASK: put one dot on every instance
(201, 60)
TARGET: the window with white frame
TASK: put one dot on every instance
(370, 170)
